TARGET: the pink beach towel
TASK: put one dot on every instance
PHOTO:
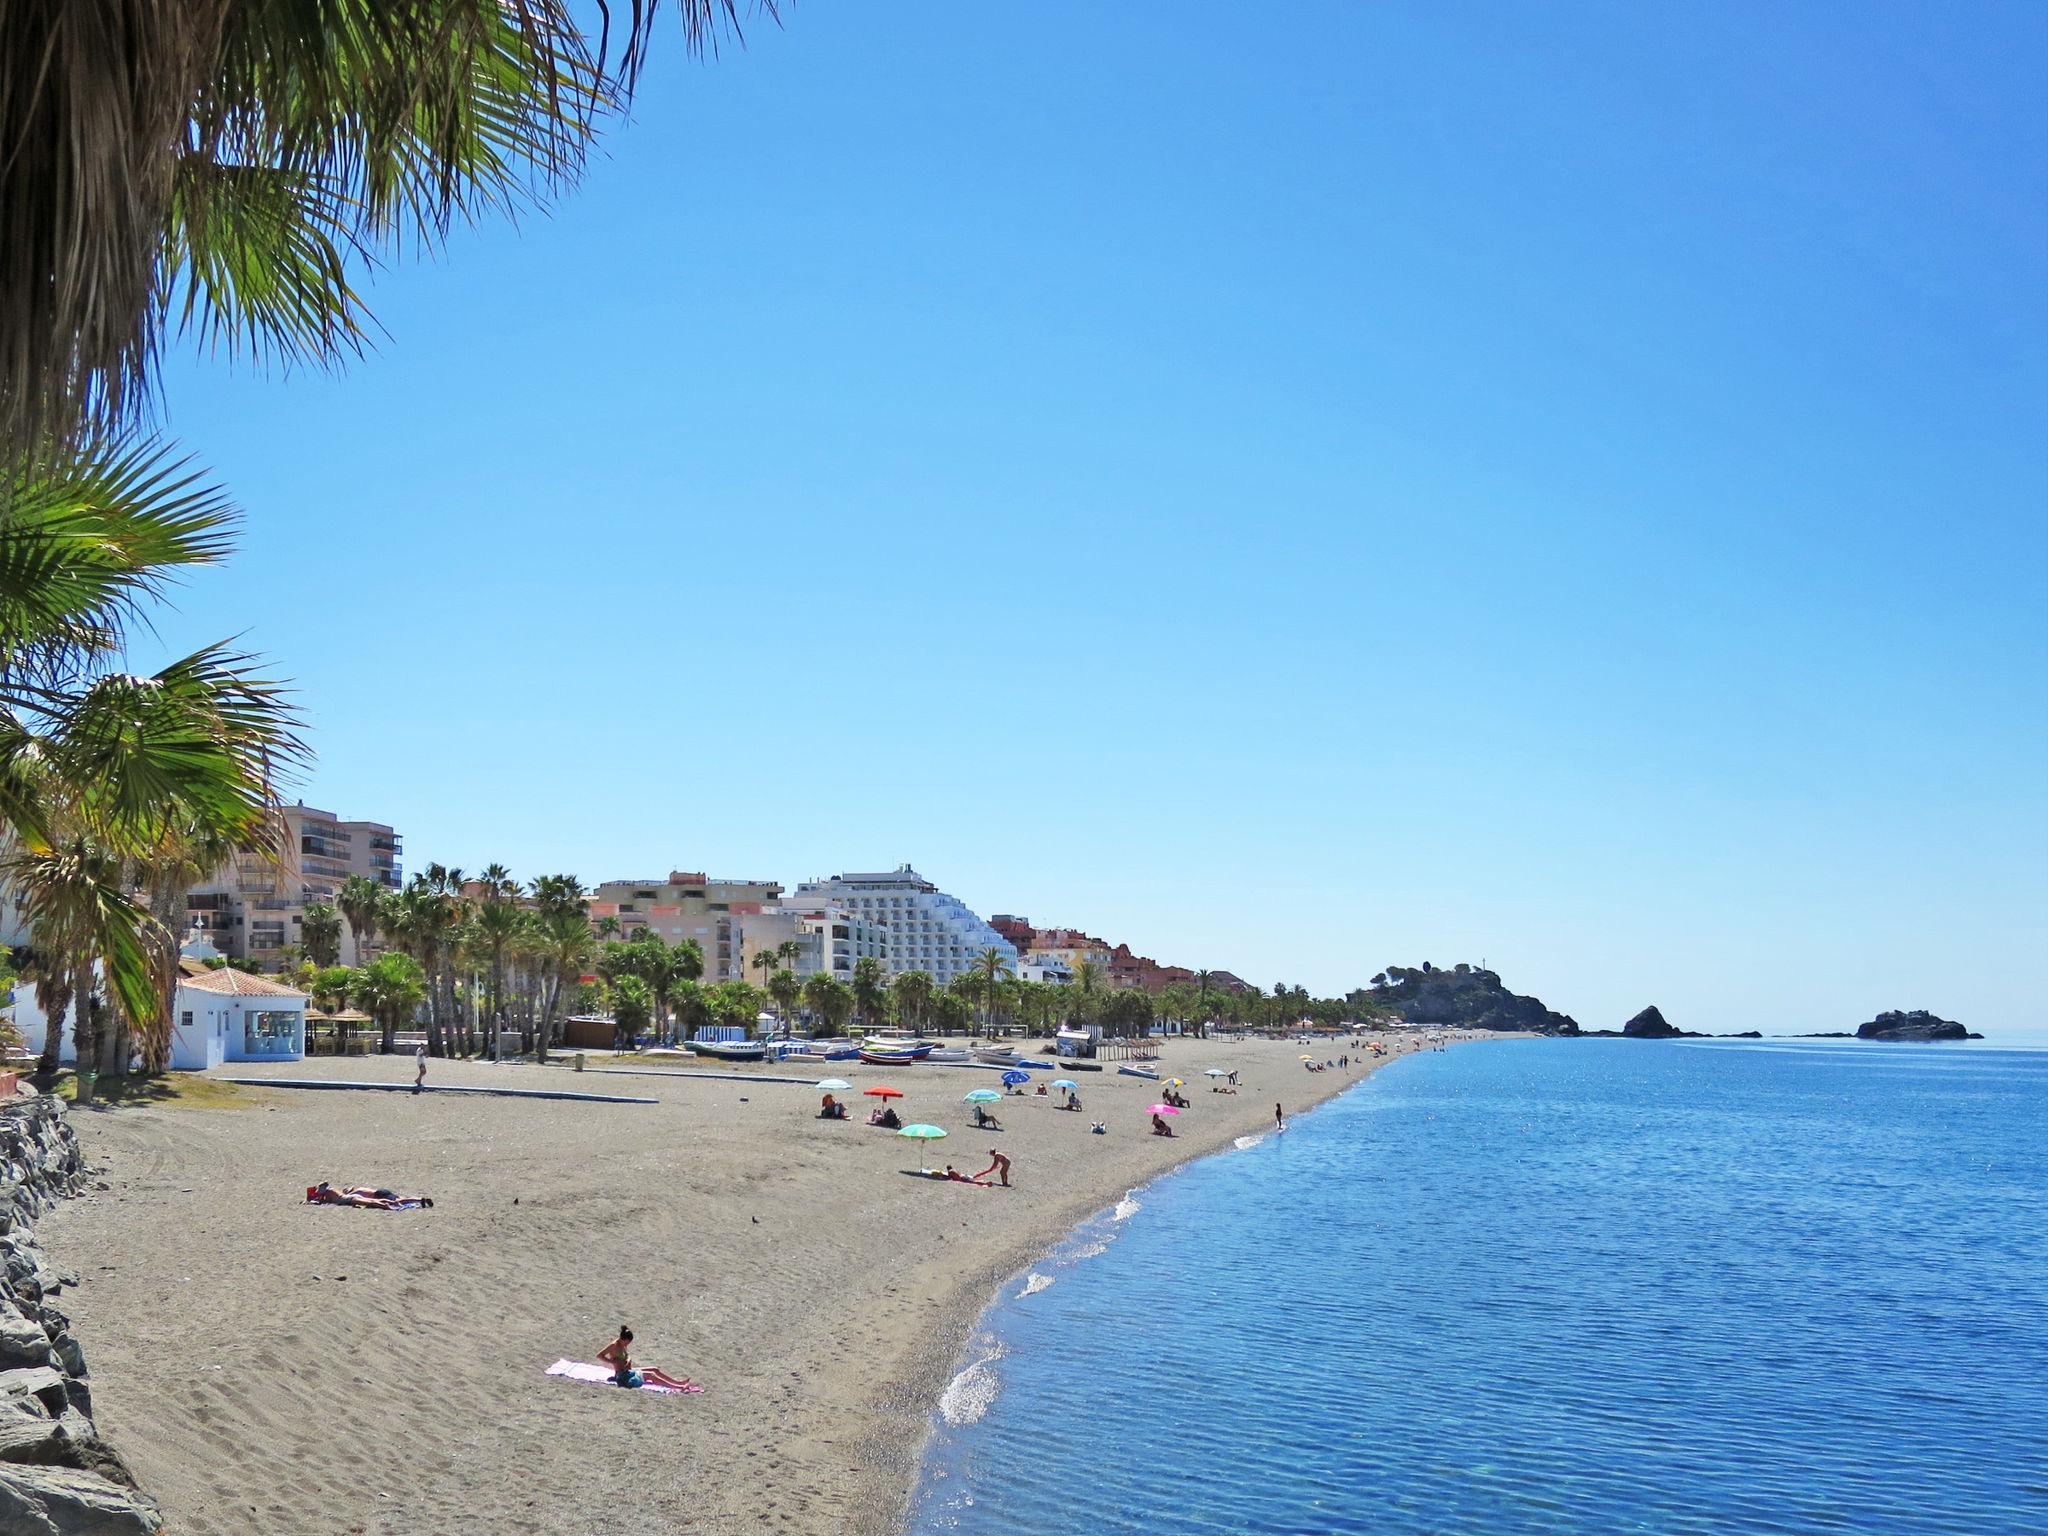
(601, 1375)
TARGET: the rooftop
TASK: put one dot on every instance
(231, 982)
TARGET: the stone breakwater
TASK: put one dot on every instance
(57, 1477)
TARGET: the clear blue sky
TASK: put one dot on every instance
(1294, 488)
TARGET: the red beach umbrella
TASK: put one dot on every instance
(883, 1093)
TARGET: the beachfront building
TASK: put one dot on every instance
(255, 907)
(687, 905)
(1046, 971)
(829, 938)
(923, 929)
(217, 1016)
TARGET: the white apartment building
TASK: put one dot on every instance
(829, 938)
(922, 928)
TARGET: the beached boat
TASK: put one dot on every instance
(1130, 1071)
(731, 1050)
(996, 1055)
(879, 1056)
(948, 1055)
(892, 1047)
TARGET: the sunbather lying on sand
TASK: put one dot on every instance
(365, 1198)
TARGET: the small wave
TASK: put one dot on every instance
(1246, 1143)
(1033, 1284)
(1126, 1208)
(968, 1396)
(1088, 1251)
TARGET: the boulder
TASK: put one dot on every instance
(1916, 1025)
(61, 1501)
(1649, 1025)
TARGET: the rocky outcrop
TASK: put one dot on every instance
(1650, 1025)
(1917, 1025)
(1463, 998)
(57, 1477)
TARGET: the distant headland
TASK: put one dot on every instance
(1472, 997)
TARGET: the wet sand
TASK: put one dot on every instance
(268, 1366)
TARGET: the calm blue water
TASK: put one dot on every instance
(1572, 1286)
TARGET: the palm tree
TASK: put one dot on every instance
(606, 927)
(320, 932)
(764, 961)
(1203, 979)
(1087, 982)
(361, 899)
(496, 924)
(82, 918)
(388, 989)
(829, 998)
(870, 992)
(631, 1009)
(911, 992)
(992, 965)
(785, 989)
(789, 951)
(95, 759)
(654, 963)
(566, 947)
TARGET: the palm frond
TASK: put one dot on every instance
(87, 537)
(200, 742)
(149, 151)
(76, 905)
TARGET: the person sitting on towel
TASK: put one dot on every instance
(832, 1109)
(1160, 1127)
(886, 1116)
(618, 1355)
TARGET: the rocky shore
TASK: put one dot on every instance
(57, 1476)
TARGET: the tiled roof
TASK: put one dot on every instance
(237, 984)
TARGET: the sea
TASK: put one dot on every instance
(1520, 1288)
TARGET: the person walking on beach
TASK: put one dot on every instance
(1279, 1120)
(998, 1164)
(419, 1068)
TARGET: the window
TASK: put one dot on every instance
(185, 1019)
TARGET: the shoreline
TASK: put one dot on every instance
(933, 1371)
(822, 1298)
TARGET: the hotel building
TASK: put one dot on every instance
(922, 928)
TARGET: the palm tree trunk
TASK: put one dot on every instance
(85, 1031)
(53, 1040)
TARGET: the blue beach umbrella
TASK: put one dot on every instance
(982, 1096)
(1014, 1078)
(1064, 1082)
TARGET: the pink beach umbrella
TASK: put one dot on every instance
(1165, 1109)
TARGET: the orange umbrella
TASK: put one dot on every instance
(884, 1093)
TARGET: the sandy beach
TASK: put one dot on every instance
(268, 1366)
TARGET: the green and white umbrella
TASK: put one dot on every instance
(982, 1096)
(921, 1132)
(836, 1085)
